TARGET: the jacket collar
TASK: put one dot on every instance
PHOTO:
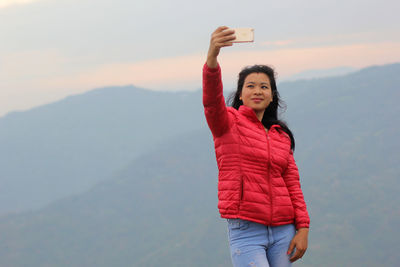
(251, 115)
(248, 112)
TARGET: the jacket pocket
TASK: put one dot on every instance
(241, 188)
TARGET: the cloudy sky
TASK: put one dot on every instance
(50, 49)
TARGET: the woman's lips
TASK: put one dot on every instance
(257, 100)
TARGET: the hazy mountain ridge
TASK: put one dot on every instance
(154, 201)
(320, 73)
(66, 147)
(163, 205)
(351, 121)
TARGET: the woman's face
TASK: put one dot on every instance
(257, 92)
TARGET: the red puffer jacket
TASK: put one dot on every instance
(258, 178)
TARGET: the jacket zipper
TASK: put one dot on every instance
(241, 189)
(269, 176)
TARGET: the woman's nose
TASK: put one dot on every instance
(258, 91)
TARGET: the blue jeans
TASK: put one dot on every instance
(257, 245)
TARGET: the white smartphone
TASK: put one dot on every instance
(244, 35)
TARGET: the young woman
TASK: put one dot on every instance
(259, 189)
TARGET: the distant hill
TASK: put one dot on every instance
(162, 205)
(348, 153)
(66, 147)
(320, 73)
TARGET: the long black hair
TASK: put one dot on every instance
(271, 112)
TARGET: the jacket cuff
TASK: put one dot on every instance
(302, 225)
(206, 68)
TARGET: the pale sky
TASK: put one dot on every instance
(50, 49)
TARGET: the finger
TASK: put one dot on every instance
(225, 33)
(297, 255)
(220, 29)
(225, 44)
(224, 39)
(221, 42)
(291, 247)
(227, 38)
(301, 252)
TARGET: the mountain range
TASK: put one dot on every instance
(135, 176)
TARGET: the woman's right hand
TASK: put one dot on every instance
(221, 37)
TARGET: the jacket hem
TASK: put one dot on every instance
(233, 216)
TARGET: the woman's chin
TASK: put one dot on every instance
(258, 108)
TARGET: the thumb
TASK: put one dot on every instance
(291, 247)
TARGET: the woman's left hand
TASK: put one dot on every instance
(299, 242)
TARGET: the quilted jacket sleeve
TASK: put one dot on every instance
(292, 180)
(213, 101)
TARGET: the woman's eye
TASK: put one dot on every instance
(264, 87)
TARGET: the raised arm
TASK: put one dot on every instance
(213, 98)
